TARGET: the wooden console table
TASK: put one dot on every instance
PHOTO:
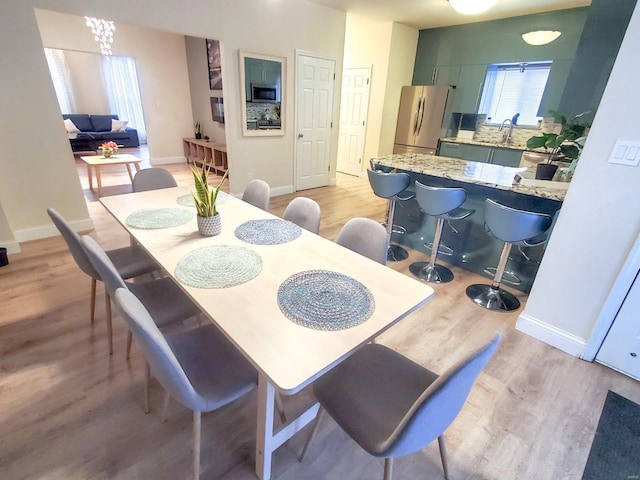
(204, 151)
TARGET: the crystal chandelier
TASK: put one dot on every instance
(102, 32)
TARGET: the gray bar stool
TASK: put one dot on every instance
(511, 226)
(390, 186)
(444, 204)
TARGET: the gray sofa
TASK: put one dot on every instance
(96, 129)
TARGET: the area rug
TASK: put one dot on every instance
(615, 451)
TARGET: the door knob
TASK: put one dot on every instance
(300, 135)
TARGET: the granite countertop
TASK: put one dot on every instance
(512, 146)
(495, 176)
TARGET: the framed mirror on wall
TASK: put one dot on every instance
(262, 94)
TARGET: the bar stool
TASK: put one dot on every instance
(444, 204)
(390, 186)
(511, 226)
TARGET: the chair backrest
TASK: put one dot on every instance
(163, 362)
(439, 200)
(153, 179)
(257, 194)
(103, 265)
(439, 404)
(366, 237)
(387, 185)
(74, 243)
(512, 225)
(305, 213)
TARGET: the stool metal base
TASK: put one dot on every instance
(493, 298)
(396, 253)
(431, 273)
(507, 276)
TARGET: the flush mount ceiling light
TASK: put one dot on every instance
(540, 37)
(471, 7)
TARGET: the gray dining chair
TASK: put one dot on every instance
(199, 368)
(391, 406)
(153, 179)
(366, 237)
(257, 194)
(305, 213)
(162, 297)
(128, 262)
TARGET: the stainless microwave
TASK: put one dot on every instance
(263, 93)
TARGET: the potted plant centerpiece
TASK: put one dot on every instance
(209, 222)
(109, 149)
(563, 145)
(197, 131)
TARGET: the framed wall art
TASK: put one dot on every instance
(215, 64)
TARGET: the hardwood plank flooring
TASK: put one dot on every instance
(70, 411)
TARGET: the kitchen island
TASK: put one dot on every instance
(466, 243)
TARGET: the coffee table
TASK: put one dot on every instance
(97, 161)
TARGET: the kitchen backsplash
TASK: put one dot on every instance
(519, 135)
(263, 111)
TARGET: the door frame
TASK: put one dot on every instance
(614, 302)
(335, 111)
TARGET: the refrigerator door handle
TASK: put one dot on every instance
(417, 118)
(421, 114)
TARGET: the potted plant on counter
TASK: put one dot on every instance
(209, 222)
(558, 146)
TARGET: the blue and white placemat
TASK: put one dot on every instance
(152, 218)
(188, 201)
(268, 231)
(325, 300)
(218, 266)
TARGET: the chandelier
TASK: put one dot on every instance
(102, 33)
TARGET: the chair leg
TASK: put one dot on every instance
(147, 387)
(129, 341)
(165, 405)
(443, 457)
(196, 445)
(93, 300)
(312, 433)
(280, 408)
(388, 468)
(107, 304)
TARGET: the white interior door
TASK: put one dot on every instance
(621, 347)
(354, 105)
(315, 80)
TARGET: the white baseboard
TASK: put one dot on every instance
(11, 245)
(276, 191)
(167, 160)
(551, 335)
(46, 231)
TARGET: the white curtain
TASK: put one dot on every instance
(61, 77)
(121, 85)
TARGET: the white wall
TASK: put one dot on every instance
(599, 220)
(29, 105)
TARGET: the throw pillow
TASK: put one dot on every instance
(70, 126)
(118, 125)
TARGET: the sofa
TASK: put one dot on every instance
(88, 132)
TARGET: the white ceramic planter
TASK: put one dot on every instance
(210, 226)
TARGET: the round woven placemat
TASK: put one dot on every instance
(218, 266)
(325, 300)
(268, 232)
(188, 201)
(152, 218)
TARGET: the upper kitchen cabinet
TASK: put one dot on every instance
(466, 95)
(260, 71)
(442, 75)
(555, 86)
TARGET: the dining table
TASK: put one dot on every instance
(293, 303)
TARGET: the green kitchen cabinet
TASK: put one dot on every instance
(507, 157)
(452, 150)
(466, 95)
(477, 153)
(555, 86)
(261, 71)
(437, 75)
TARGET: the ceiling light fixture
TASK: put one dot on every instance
(471, 7)
(102, 33)
(540, 37)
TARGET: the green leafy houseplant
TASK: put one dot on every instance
(562, 144)
(205, 195)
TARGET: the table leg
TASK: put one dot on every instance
(90, 175)
(267, 441)
(97, 167)
(129, 170)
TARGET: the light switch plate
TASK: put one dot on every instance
(625, 152)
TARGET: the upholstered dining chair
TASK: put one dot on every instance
(152, 179)
(130, 261)
(305, 213)
(198, 367)
(391, 406)
(257, 194)
(366, 237)
(162, 297)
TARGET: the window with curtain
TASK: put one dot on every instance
(511, 88)
(61, 77)
(121, 86)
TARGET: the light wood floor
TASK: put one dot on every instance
(70, 411)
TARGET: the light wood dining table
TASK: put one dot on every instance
(287, 356)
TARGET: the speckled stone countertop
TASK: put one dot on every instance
(486, 174)
(512, 146)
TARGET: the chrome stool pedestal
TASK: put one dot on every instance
(511, 226)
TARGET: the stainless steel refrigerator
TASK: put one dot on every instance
(421, 119)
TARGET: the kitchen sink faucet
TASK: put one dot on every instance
(506, 135)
